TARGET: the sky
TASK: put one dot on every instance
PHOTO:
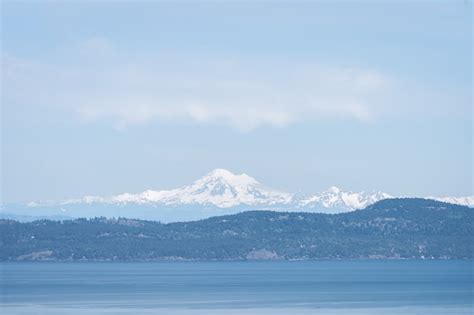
(100, 98)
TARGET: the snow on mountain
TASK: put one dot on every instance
(463, 201)
(219, 188)
(336, 198)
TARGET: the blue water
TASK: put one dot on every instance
(310, 287)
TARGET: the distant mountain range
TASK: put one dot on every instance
(217, 193)
(388, 229)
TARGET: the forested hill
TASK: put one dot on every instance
(392, 228)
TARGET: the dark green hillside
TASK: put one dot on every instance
(392, 228)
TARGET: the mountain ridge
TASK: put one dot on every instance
(219, 192)
(409, 228)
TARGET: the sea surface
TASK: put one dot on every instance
(277, 287)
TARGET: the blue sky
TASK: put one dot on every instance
(104, 98)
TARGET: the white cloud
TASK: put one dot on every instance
(245, 94)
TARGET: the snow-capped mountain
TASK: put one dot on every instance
(219, 192)
(463, 201)
(335, 198)
(219, 188)
(223, 189)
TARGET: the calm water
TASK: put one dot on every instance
(319, 287)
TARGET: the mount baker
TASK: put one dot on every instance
(218, 192)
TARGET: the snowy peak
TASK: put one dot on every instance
(334, 190)
(335, 197)
(223, 175)
(463, 201)
(220, 188)
(223, 189)
(220, 178)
